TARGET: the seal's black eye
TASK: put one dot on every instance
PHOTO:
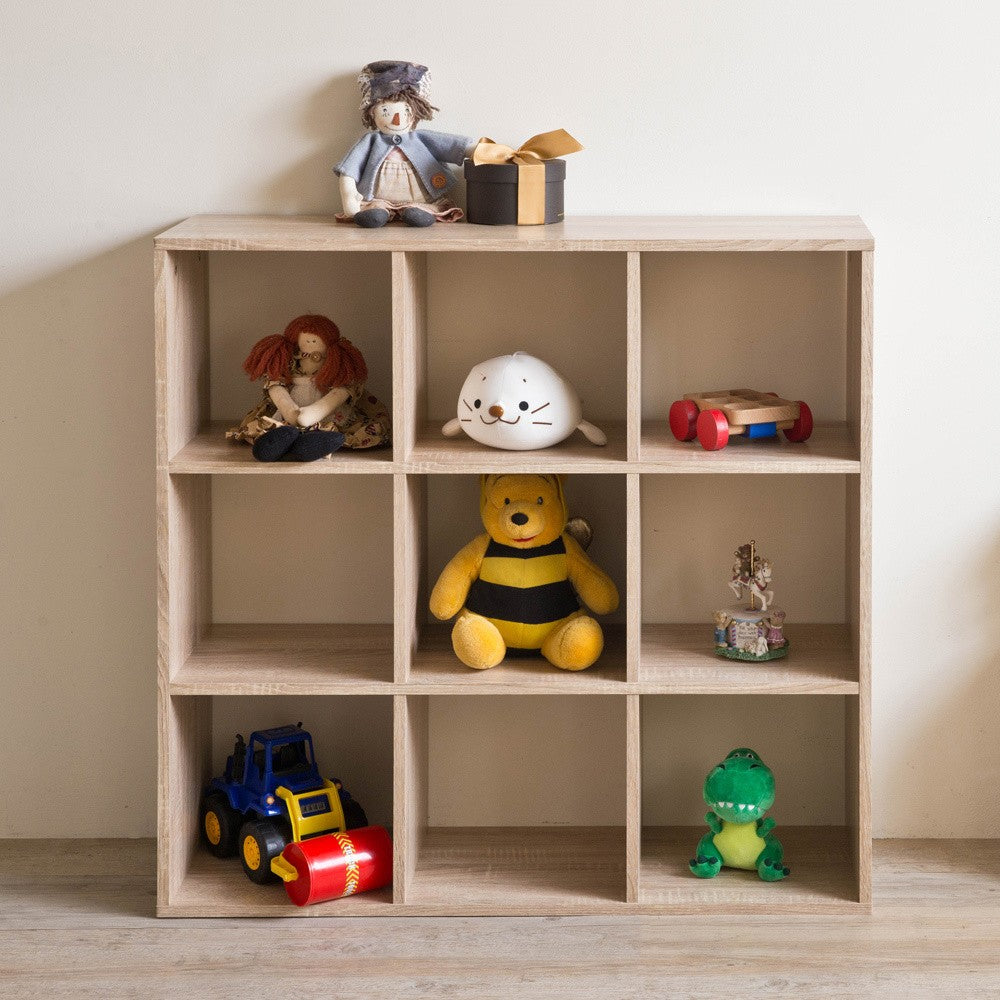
(523, 405)
(478, 403)
(506, 500)
(540, 501)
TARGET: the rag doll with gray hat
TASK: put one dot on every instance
(394, 171)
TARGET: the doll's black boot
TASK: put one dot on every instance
(417, 217)
(273, 445)
(311, 445)
(371, 218)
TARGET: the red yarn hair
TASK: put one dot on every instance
(272, 356)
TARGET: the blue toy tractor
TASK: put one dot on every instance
(270, 795)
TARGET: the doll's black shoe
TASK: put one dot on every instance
(312, 445)
(371, 218)
(273, 445)
(417, 217)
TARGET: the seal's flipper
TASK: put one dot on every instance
(593, 434)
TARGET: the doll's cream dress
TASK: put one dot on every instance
(361, 418)
(398, 186)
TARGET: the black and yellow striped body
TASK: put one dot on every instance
(524, 592)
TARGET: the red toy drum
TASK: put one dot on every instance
(336, 865)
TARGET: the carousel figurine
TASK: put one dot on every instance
(395, 172)
(753, 630)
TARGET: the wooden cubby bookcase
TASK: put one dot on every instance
(657, 666)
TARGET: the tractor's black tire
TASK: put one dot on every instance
(260, 842)
(354, 815)
(220, 825)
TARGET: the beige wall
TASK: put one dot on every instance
(120, 119)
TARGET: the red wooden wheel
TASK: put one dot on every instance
(684, 419)
(803, 427)
(713, 429)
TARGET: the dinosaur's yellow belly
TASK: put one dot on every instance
(739, 844)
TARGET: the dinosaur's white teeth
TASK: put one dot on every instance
(729, 805)
(741, 807)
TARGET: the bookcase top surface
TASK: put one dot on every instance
(580, 233)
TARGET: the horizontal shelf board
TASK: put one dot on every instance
(358, 659)
(679, 659)
(519, 869)
(288, 659)
(211, 453)
(829, 450)
(484, 871)
(821, 879)
(436, 670)
(433, 452)
(217, 887)
(699, 233)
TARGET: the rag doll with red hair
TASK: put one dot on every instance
(315, 401)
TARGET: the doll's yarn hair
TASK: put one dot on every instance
(272, 357)
(421, 110)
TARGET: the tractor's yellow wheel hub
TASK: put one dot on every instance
(213, 828)
(251, 853)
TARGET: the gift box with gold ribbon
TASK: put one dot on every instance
(522, 186)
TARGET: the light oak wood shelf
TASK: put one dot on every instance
(795, 233)
(288, 659)
(435, 670)
(675, 659)
(538, 869)
(433, 453)
(822, 880)
(830, 450)
(209, 453)
(544, 870)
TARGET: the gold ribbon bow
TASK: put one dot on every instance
(530, 158)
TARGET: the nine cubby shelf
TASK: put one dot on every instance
(636, 311)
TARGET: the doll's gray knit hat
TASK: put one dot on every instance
(382, 79)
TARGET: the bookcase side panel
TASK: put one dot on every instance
(182, 363)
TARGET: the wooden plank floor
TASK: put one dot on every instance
(76, 920)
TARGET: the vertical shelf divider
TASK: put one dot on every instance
(633, 578)
(633, 797)
(410, 729)
(409, 350)
(409, 597)
(633, 374)
(409, 366)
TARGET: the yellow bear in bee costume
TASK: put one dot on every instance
(518, 587)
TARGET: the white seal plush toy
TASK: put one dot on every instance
(519, 403)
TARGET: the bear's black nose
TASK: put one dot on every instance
(519, 518)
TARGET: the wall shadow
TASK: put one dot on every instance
(79, 552)
(948, 775)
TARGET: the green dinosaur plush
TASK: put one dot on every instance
(739, 791)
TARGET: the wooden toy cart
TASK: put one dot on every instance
(713, 417)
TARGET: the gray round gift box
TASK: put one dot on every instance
(491, 192)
